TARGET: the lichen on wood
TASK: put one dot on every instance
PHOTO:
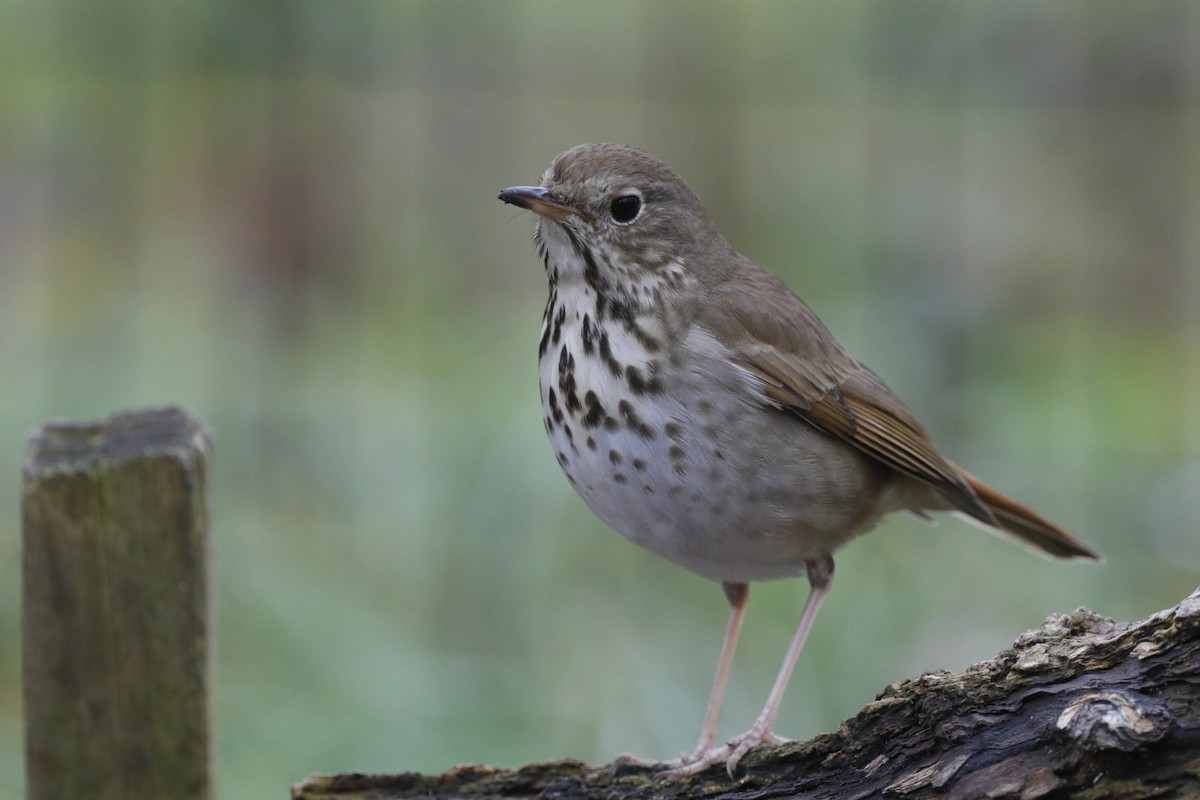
(116, 665)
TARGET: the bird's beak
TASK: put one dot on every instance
(539, 200)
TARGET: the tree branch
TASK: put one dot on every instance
(1081, 707)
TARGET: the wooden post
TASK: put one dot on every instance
(114, 626)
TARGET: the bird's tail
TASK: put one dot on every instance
(1025, 526)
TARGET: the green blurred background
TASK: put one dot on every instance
(282, 215)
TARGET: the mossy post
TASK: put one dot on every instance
(115, 656)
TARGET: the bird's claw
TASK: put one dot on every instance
(731, 753)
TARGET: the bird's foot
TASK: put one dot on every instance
(731, 752)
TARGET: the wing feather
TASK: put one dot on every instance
(804, 370)
(773, 335)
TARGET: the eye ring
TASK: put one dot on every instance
(626, 207)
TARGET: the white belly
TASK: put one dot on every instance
(715, 481)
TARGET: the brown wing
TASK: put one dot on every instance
(859, 409)
(775, 336)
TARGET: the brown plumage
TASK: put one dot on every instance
(775, 336)
(703, 411)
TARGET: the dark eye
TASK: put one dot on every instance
(625, 208)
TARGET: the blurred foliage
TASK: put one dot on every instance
(282, 215)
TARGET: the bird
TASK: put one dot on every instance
(702, 410)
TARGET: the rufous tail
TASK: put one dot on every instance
(1025, 525)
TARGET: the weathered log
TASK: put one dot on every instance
(1082, 707)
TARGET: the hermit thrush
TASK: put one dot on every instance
(702, 410)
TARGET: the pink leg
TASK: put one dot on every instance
(820, 575)
(738, 594)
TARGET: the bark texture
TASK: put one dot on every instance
(1083, 707)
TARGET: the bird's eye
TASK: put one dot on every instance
(625, 208)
